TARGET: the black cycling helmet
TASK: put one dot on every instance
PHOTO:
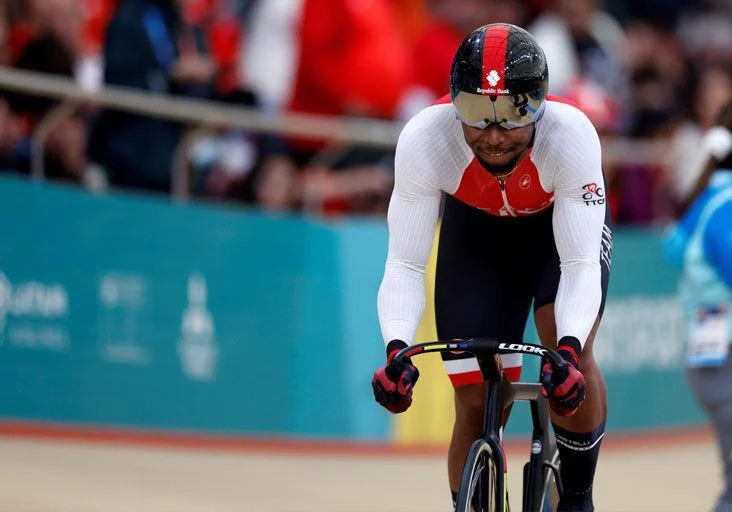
(499, 75)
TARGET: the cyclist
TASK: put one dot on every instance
(525, 219)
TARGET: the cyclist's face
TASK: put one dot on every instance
(495, 146)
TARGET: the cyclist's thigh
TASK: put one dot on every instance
(484, 283)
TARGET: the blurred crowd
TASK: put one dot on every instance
(656, 70)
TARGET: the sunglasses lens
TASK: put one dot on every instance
(478, 110)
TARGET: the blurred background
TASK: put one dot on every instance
(193, 195)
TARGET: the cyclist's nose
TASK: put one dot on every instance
(494, 135)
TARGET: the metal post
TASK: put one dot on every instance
(40, 134)
(180, 179)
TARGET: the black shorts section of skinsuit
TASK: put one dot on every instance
(490, 269)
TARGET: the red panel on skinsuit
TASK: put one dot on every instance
(479, 188)
(524, 191)
(465, 378)
(475, 377)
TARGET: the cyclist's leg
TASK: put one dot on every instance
(593, 410)
(578, 436)
(483, 288)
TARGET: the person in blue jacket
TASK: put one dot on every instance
(702, 243)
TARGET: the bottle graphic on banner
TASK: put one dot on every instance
(197, 347)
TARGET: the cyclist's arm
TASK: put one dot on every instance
(578, 221)
(413, 212)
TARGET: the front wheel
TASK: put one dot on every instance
(551, 485)
(481, 484)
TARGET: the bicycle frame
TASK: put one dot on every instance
(500, 394)
(504, 393)
(495, 404)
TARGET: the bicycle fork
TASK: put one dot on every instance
(540, 463)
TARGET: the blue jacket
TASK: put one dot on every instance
(701, 242)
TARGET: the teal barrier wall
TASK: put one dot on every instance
(132, 311)
(640, 345)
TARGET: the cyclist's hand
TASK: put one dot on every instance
(393, 382)
(564, 386)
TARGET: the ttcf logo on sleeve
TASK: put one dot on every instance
(593, 194)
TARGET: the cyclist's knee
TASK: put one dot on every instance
(470, 405)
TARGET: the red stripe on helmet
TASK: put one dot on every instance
(494, 57)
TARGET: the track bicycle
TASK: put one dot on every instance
(483, 480)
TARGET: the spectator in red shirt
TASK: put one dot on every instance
(352, 59)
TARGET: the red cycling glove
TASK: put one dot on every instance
(393, 382)
(564, 386)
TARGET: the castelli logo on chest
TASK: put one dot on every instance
(525, 181)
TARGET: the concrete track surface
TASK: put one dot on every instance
(39, 475)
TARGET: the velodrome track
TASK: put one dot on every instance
(40, 473)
